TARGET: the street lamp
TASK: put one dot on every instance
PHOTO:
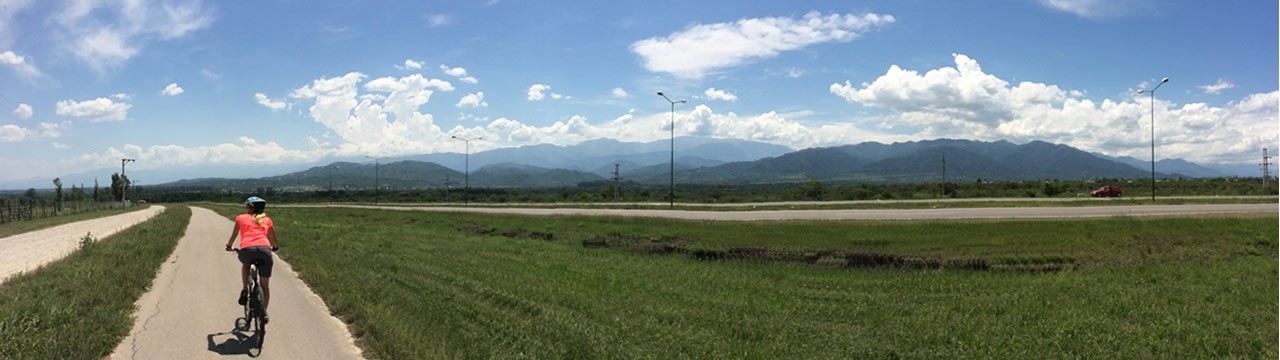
(466, 177)
(124, 183)
(1153, 135)
(375, 178)
(672, 195)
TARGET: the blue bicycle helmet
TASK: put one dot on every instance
(254, 200)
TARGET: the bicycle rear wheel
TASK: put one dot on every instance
(258, 316)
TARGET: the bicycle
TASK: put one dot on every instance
(254, 313)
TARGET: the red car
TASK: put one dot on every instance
(1106, 191)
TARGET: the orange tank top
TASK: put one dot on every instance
(252, 234)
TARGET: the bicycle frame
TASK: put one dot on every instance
(253, 314)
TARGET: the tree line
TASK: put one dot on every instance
(116, 192)
(811, 190)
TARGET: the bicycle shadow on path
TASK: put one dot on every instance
(238, 343)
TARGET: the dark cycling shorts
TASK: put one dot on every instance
(257, 253)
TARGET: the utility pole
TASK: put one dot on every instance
(1266, 168)
(617, 183)
(124, 183)
(944, 175)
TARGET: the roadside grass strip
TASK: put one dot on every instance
(451, 285)
(80, 307)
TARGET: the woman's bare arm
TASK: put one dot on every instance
(235, 230)
(271, 237)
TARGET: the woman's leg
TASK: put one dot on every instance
(266, 291)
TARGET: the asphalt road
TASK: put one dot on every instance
(190, 311)
(869, 214)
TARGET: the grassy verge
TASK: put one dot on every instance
(80, 307)
(886, 204)
(19, 227)
(421, 285)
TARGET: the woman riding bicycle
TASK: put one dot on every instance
(257, 241)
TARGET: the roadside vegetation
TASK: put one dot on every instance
(82, 306)
(813, 190)
(450, 285)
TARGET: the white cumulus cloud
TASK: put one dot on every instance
(1217, 87)
(716, 94)
(12, 133)
(410, 64)
(473, 100)
(374, 125)
(245, 151)
(51, 130)
(700, 49)
(619, 93)
(263, 100)
(172, 90)
(390, 84)
(23, 111)
(19, 64)
(10, 58)
(96, 110)
(535, 92)
(965, 102)
(459, 73)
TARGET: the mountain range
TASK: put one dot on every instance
(698, 160)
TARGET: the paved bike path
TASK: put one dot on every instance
(190, 311)
(31, 250)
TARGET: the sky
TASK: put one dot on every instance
(275, 83)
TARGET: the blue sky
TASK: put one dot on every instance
(276, 83)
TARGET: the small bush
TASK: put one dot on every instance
(707, 254)
(87, 241)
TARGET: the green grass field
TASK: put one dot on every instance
(886, 204)
(80, 307)
(428, 285)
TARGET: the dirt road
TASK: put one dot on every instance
(28, 251)
(190, 310)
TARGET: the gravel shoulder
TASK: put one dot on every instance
(29, 251)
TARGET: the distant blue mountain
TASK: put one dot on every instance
(592, 155)
(698, 160)
(1177, 167)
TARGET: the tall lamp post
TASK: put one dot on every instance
(124, 183)
(672, 194)
(1153, 135)
(375, 179)
(331, 194)
(466, 175)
